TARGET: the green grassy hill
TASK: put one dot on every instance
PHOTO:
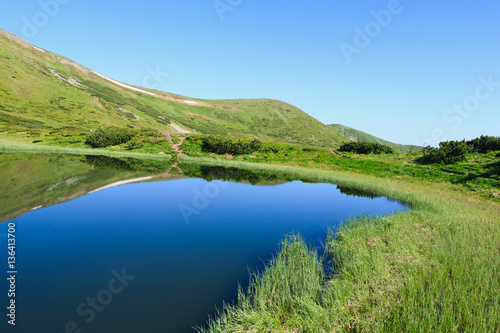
(356, 135)
(43, 94)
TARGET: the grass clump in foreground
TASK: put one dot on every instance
(434, 269)
(289, 291)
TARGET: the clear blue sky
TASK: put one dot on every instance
(415, 77)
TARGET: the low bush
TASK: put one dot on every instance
(456, 151)
(110, 136)
(448, 152)
(222, 145)
(134, 145)
(366, 148)
(271, 148)
(150, 132)
(485, 144)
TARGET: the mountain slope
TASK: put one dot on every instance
(43, 93)
(356, 135)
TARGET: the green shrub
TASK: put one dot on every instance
(485, 144)
(134, 145)
(223, 145)
(448, 152)
(110, 136)
(270, 148)
(456, 151)
(164, 121)
(366, 148)
(150, 132)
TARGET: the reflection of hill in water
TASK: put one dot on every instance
(127, 164)
(37, 180)
(254, 177)
(257, 177)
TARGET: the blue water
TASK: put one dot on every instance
(175, 267)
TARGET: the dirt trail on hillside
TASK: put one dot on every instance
(335, 153)
(177, 148)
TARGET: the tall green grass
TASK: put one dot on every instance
(287, 294)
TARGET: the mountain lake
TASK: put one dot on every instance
(155, 254)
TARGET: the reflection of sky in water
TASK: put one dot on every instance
(66, 252)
